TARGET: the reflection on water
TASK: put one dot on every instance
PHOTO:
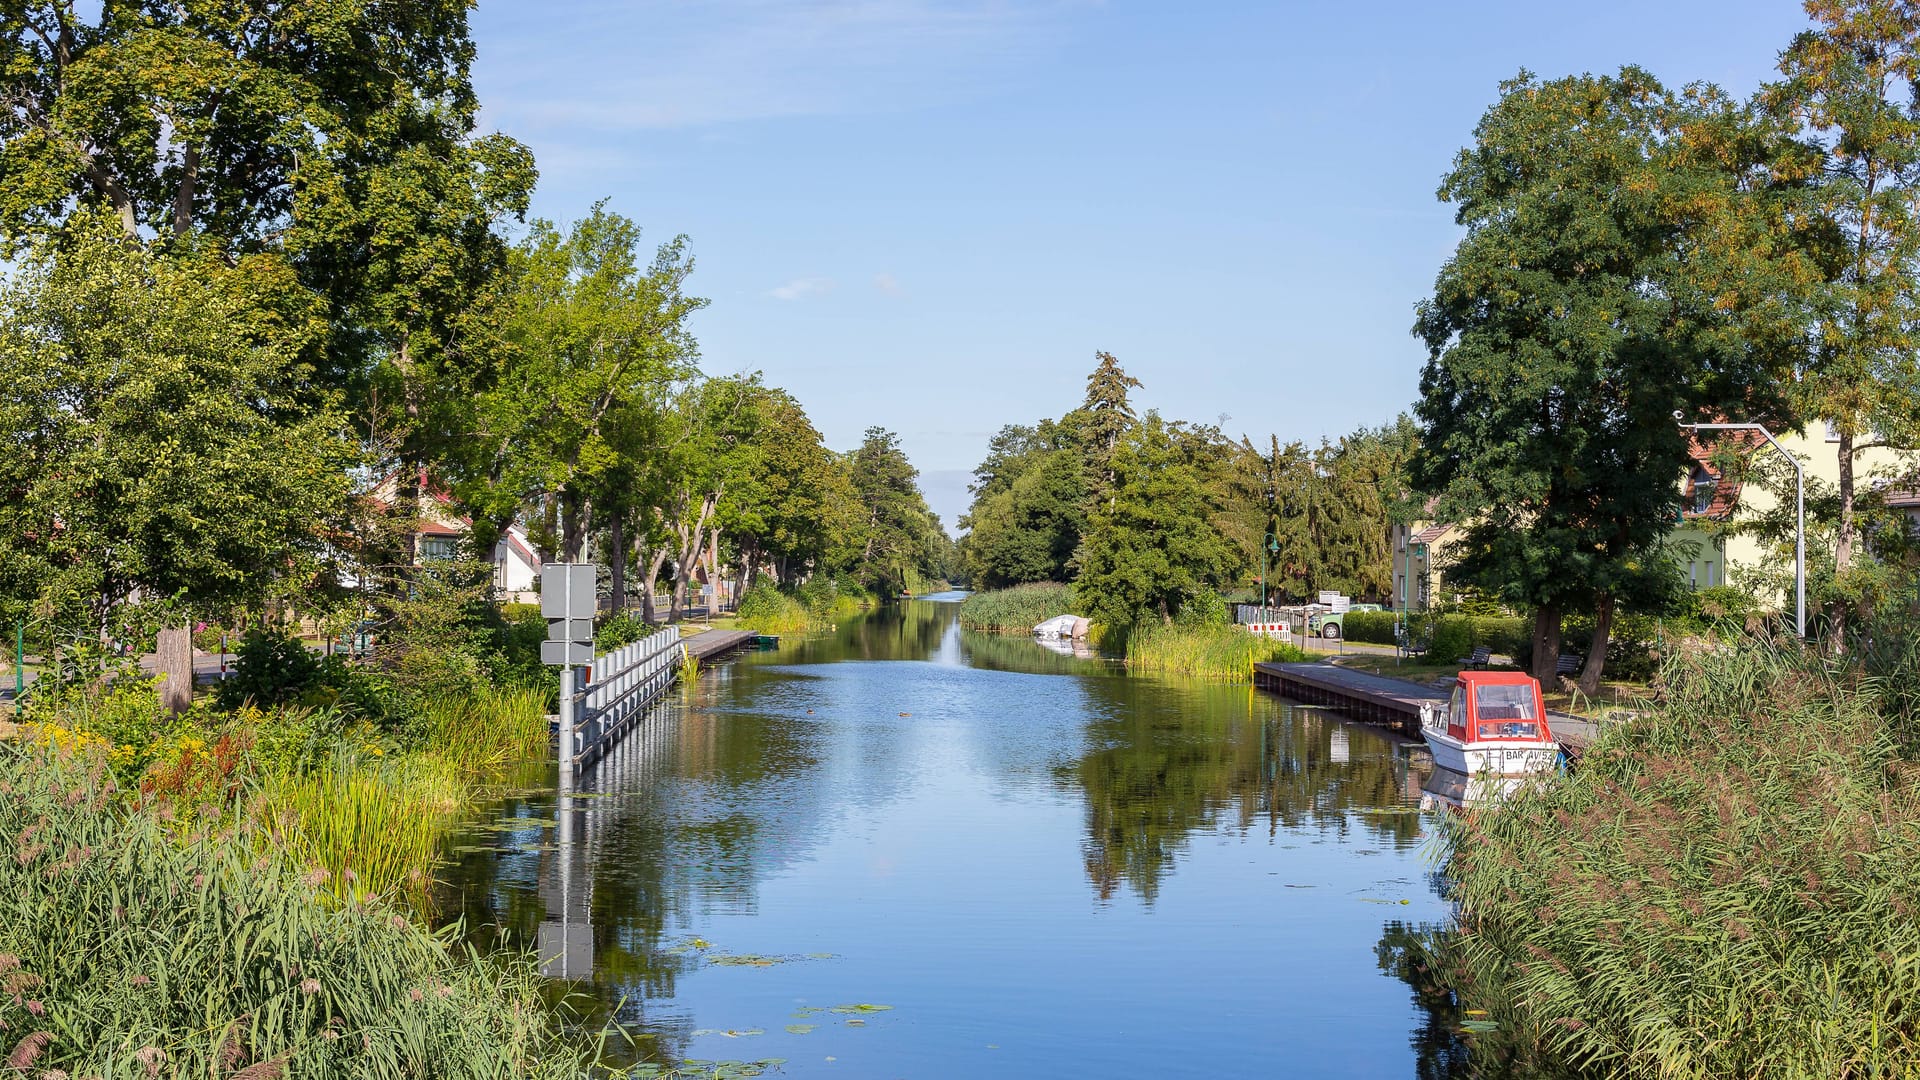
(1041, 865)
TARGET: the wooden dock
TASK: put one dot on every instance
(1392, 702)
(1374, 698)
(708, 644)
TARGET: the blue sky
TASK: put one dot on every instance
(928, 214)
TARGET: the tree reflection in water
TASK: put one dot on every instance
(1170, 759)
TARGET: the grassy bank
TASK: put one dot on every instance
(1208, 652)
(1018, 609)
(1726, 887)
(127, 950)
(369, 804)
(816, 605)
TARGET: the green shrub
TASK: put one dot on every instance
(1506, 635)
(1369, 626)
(1018, 609)
(620, 628)
(1633, 644)
(767, 610)
(1725, 886)
(271, 668)
(831, 597)
(1451, 637)
(129, 954)
(1203, 608)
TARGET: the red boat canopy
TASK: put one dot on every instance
(1489, 705)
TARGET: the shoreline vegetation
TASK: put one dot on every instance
(1724, 887)
(1188, 647)
(813, 606)
(250, 961)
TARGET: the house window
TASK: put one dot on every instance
(1833, 432)
(439, 548)
(1704, 486)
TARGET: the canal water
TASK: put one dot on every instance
(905, 850)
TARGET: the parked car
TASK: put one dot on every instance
(1325, 622)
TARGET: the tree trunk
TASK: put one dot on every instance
(1597, 652)
(174, 654)
(573, 513)
(1546, 643)
(1843, 543)
(617, 560)
(406, 502)
(692, 548)
(653, 574)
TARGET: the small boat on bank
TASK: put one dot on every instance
(1493, 729)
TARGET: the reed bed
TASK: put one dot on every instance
(1019, 608)
(375, 827)
(128, 953)
(486, 732)
(377, 823)
(1208, 652)
(1727, 886)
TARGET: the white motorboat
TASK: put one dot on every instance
(1492, 731)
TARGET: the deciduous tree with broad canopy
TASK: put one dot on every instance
(1626, 260)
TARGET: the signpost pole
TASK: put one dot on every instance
(566, 726)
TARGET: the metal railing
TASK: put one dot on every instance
(616, 692)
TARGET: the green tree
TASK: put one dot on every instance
(1619, 266)
(1103, 419)
(901, 541)
(1157, 541)
(1853, 82)
(790, 496)
(162, 434)
(333, 137)
(1029, 506)
(591, 347)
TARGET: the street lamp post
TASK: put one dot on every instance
(1800, 516)
(1268, 543)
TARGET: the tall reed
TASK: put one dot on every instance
(375, 827)
(1725, 887)
(128, 952)
(1019, 608)
(1210, 652)
(483, 733)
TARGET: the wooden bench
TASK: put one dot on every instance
(1481, 657)
(1567, 664)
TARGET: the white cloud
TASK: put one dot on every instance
(801, 288)
(888, 284)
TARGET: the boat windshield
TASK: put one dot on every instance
(1506, 712)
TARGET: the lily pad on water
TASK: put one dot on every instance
(748, 960)
(801, 1029)
(706, 1070)
(730, 1033)
(861, 1008)
(1479, 1027)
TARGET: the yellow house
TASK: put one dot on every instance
(1707, 553)
(1710, 557)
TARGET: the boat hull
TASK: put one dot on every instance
(1505, 760)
